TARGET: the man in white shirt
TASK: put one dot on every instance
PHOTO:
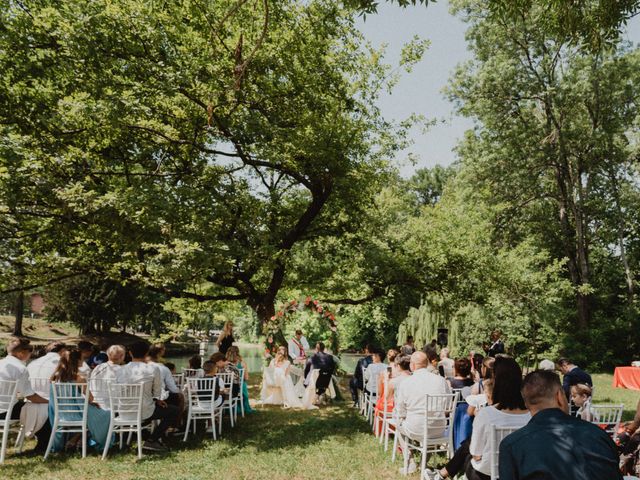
(44, 366)
(104, 373)
(298, 348)
(411, 401)
(13, 368)
(170, 391)
(138, 371)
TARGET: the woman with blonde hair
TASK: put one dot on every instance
(234, 357)
(225, 340)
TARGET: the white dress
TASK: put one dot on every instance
(277, 387)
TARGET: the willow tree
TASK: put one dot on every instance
(188, 146)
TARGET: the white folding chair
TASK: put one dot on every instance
(202, 404)
(179, 379)
(125, 408)
(227, 380)
(607, 417)
(439, 415)
(497, 435)
(192, 372)
(41, 386)
(8, 390)
(240, 398)
(70, 408)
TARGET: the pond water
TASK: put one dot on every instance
(252, 355)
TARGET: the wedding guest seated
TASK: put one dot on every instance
(195, 363)
(12, 368)
(320, 360)
(581, 398)
(223, 366)
(433, 360)
(106, 372)
(395, 375)
(554, 445)
(170, 391)
(100, 356)
(209, 369)
(486, 373)
(356, 383)
(373, 371)
(507, 410)
(233, 357)
(547, 365)
(172, 367)
(411, 402)
(87, 350)
(447, 364)
(68, 371)
(462, 376)
(138, 371)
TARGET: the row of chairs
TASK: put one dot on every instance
(70, 403)
(439, 419)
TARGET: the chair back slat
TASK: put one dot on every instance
(125, 400)
(497, 435)
(607, 416)
(8, 391)
(201, 391)
(179, 378)
(192, 372)
(70, 402)
(41, 386)
(226, 378)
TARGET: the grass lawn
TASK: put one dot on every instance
(331, 443)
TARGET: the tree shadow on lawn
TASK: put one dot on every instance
(273, 428)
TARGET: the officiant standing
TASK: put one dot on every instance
(298, 348)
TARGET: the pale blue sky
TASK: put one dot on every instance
(421, 90)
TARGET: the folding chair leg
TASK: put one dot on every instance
(187, 425)
(139, 432)
(395, 447)
(20, 439)
(51, 437)
(5, 439)
(84, 441)
(107, 444)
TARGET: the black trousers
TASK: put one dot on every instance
(461, 462)
(354, 386)
(167, 416)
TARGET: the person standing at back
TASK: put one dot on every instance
(554, 445)
(225, 340)
(572, 375)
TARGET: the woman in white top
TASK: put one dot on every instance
(508, 410)
(373, 371)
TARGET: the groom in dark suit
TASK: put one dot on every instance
(325, 363)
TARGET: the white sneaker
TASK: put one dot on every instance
(410, 469)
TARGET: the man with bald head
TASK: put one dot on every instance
(411, 401)
(554, 445)
(105, 372)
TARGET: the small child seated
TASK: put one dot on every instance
(581, 397)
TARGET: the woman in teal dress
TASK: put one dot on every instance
(97, 419)
(233, 356)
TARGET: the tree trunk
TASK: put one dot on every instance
(17, 328)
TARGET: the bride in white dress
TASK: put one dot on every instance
(277, 386)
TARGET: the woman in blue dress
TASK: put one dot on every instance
(233, 357)
(97, 419)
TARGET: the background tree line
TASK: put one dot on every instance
(186, 162)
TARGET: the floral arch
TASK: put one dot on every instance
(274, 328)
